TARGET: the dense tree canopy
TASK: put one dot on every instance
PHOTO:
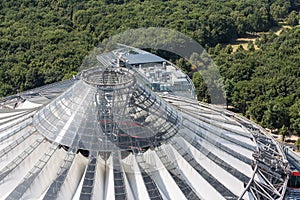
(45, 41)
(266, 81)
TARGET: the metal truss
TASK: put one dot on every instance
(271, 168)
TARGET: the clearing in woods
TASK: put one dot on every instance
(251, 37)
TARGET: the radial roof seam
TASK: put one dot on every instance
(4, 115)
(9, 167)
(204, 173)
(220, 127)
(19, 191)
(221, 146)
(231, 147)
(55, 187)
(222, 163)
(224, 136)
(215, 169)
(176, 173)
(15, 131)
(89, 177)
(18, 121)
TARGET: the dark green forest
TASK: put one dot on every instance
(264, 84)
(45, 41)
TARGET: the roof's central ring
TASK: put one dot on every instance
(108, 110)
(110, 78)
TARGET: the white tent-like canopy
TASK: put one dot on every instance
(105, 135)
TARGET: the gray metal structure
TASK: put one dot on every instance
(107, 135)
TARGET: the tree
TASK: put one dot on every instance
(229, 87)
(240, 96)
(240, 48)
(292, 19)
(217, 49)
(276, 115)
(201, 87)
(257, 109)
(221, 28)
(295, 117)
(5, 89)
(284, 132)
(297, 143)
(43, 42)
(251, 46)
(33, 78)
(183, 64)
(228, 49)
(280, 8)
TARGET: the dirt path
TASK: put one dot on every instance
(251, 38)
(244, 41)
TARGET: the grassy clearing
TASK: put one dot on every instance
(244, 41)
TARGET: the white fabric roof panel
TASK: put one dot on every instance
(122, 141)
